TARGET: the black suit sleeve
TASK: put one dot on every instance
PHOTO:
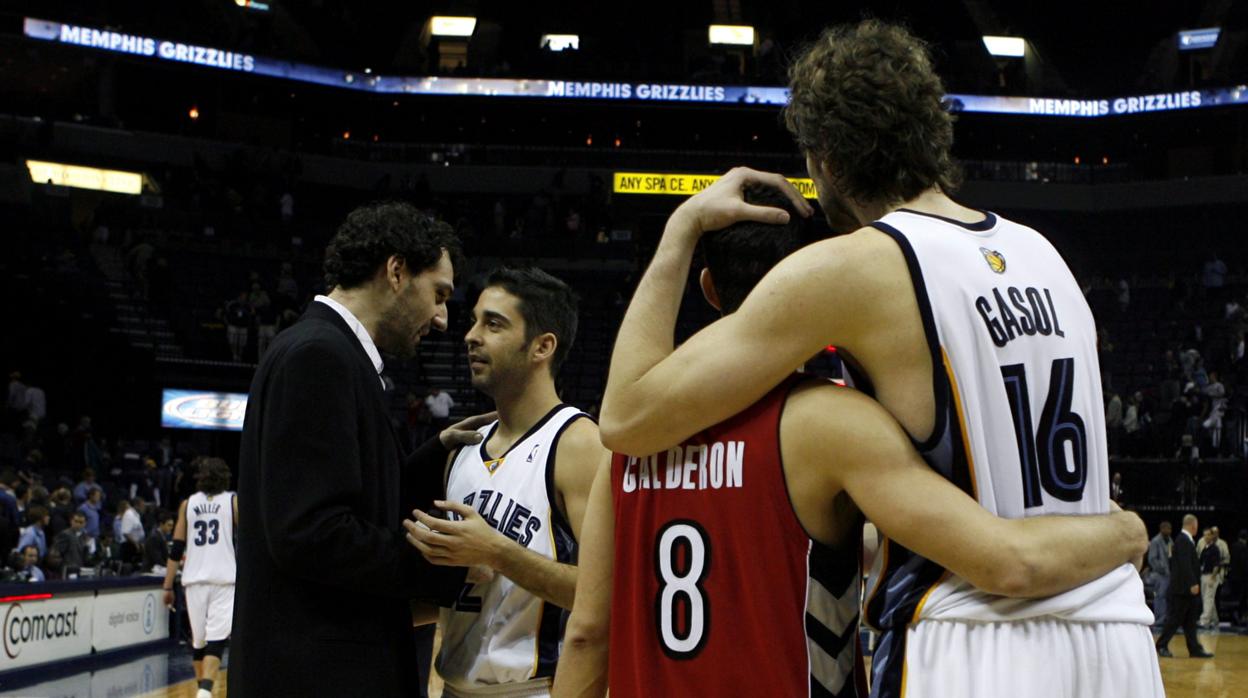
(311, 477)
(423, 471)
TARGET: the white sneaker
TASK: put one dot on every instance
(203, 693)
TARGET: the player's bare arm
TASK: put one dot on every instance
(583, 666)
(828, 292)
(473, 542)
(177, 545)
(864, 451)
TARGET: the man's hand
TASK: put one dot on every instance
(464, 543)
(169, 599)
(1195, 590)
(465, 433)
(723, 203)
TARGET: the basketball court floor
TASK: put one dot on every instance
(169, 675)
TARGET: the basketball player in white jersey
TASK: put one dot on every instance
(207, 519)
(974, 335)
(515, 500)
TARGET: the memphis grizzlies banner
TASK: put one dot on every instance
(235, 61)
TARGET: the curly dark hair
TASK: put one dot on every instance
(373, 232)
(212, 475)
(546, 303)
(866, 102)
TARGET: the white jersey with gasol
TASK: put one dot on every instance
(498, 633)
(209, 539)
(1020, 421)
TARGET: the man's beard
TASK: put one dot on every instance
(393, 337)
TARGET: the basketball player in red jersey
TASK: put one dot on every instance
(736, 553)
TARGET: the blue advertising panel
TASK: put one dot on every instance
(202, 409)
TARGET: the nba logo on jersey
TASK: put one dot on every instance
(996, 260)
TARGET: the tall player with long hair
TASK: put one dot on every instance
(207, 520)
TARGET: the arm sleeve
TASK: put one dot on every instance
(311, 477)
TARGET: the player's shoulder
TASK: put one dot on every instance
(825, 411)
(580, 434)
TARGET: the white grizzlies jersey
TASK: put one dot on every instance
(209, 539)
(498, 633)
(1019, 414)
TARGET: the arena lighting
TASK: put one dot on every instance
(82, 177)
(1197, 39)
(452, 26)
(1006, 46)
(731, 34)
(679, 184)
(560, 42)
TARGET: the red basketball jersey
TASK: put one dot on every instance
(718, 590)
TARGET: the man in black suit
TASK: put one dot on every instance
(325, 576)
(1184, 592)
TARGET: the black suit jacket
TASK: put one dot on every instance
(1184, 566)
(324, 572)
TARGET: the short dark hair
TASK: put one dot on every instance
(740, 255)
(547, 304)
(212, 475)
(163, 516)
(866, 102)
(373, 232)
(78, 514)
(35, 515)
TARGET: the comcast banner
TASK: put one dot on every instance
(46, 630)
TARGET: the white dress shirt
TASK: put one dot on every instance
(360, 333)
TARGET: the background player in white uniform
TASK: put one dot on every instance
(207, 520)
(517, 498)
(1003, 397)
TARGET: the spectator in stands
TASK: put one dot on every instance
(1124, 295)
(36, 405)
(1216, 392)
(287, 287)
(156, 548)
(440, 404)
(28, 565)
(1213, 276)
(90, 508)
(1113, 421)
(62, 510)
(237, 316)
(10, 515)
(419, 421)
(1131, 425)
(73, 543)
(37, 519)
(84, 485)
(1158, 562)
(16, 405)
(266, 319)
(286, 205)
(1238, 576)
(1115, 488)
(128, 531)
